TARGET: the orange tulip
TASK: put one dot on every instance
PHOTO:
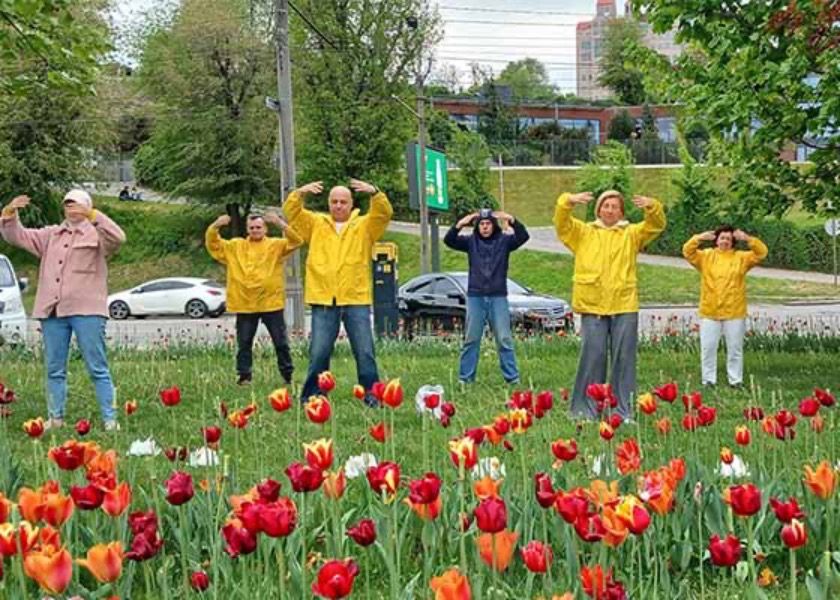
(451, 586)
(487, 487)
(427, 512)
(505, 544)
(319, 454)
(627, 457)
(57, 509)
(393, 394)
(104, 561)
(117, 500)
(823, 481)
(335, 484)
(51, 568)
(663, 425)
(280, 400)
(602, 493)
(5, 508)
(616, 529)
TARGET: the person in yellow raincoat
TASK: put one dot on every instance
(256, 289)
(605, 292)
(338, 283)
(723, 296)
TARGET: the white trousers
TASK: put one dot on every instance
(733, 330)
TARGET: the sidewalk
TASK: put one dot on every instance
(543, 239)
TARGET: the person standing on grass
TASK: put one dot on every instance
(488, 249)
(723, 296)
(605, 291)
(338, 275)
(256, 286)
(72, 294)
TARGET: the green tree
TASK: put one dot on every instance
(761, 75)
(208, 73)
(527, 79)
(609, 168)
(497, 120)
(440, 128)
(626, 82)
(470, 153)
(621, 126)
(345, 75)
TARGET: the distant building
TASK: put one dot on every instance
(590, 39)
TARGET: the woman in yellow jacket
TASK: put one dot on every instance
(605, 290)
(723, 296)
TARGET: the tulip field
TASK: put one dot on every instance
(211, 490)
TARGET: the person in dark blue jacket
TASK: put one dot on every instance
(488, 248)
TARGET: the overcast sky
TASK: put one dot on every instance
(491, 32)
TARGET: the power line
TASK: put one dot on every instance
(312, 26)
(516, 11)
(507, 23)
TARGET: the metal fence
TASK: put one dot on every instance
(528, 152)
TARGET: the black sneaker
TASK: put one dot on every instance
(244, 379)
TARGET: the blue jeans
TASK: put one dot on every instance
(90, 336)
(325, 324)
(480, 310)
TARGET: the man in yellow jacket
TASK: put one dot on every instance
(605, 291)
(723, 297)
(338, 275)
(256, 286)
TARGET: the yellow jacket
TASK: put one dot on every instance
(605, 258)
(338, 267)
(723, 290)
(255, 278)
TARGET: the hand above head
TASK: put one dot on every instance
(19, 202)
(315, 187)
(581, 198)
(275, 220)
(362, 187)
(706, 236)
(221, 221)
(740, 236)
(503, 216)
(466, 220)
(642, 201)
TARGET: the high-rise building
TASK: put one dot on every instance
(590, 37)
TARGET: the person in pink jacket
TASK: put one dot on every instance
(72, 293)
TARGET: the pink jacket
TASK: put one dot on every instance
(73, 277)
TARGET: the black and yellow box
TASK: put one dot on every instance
(386, 314)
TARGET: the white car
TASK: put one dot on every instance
(12, 314)
(191, 296)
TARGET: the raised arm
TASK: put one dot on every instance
(33, 241)
(569, 229)
(691, 249)
(757, 252)
(291, 242)
(110, 234)
(380, 212)
(216, 246)
(520, 234)
(299, 217)
(654, 221)
(453, 239)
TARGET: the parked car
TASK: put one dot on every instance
(12, 313)
(191, 296)
(439, 299)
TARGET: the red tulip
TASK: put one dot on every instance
(87, 498)
(615, 421)
(392, 395)
(304, 478)
(34, 427)
(667, 392)
(359, 392)
(633, 514)
(379, 432)
(279, 518)
(491, 515)
(690, 422)
(212, 435)
(318, 409)
(647, 403)
(742, 435)
(130, 407)
(726, 552)
(785, 418)
(70, 455)
(377, 390)
(787, 511)
(335, 578)
(627, 457)
(199, 580)
(363, 533)
(384, 478)
(824, 397)
(590, 528)
(463, 450)
(546, 496)
(179, 488)
(565, 450)
(544, 403)
(809, 407)
(706, 415)
(425, 490)
(238, 539)
(170, 396)
(448, 409)
(319, 454)
(599, 586)
(692, 401)
(432, 401)
(745, 499)
(520, 399)
(268, 490)
(726, 456)
(572, 506)
(794, 534)
(83, 427)
(173, 454)
(753, 413)
(326, 382)
(605, 430)
(537, 556)
(280, 400)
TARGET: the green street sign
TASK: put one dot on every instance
(436, 178)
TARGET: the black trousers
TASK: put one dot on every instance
(246, 330)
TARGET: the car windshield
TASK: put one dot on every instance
(6, 277)
(513, 287)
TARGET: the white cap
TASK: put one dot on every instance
(80, 197)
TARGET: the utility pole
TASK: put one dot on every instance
(286, 155)
(413, 23)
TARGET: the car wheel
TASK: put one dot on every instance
(118, 310)
(196, 309)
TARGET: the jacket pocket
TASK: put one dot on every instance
(84, 257)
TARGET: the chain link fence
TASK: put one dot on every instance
(526, 152)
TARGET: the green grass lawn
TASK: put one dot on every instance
(274, 440)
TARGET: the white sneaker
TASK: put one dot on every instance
(112, 426)
(53, 423)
